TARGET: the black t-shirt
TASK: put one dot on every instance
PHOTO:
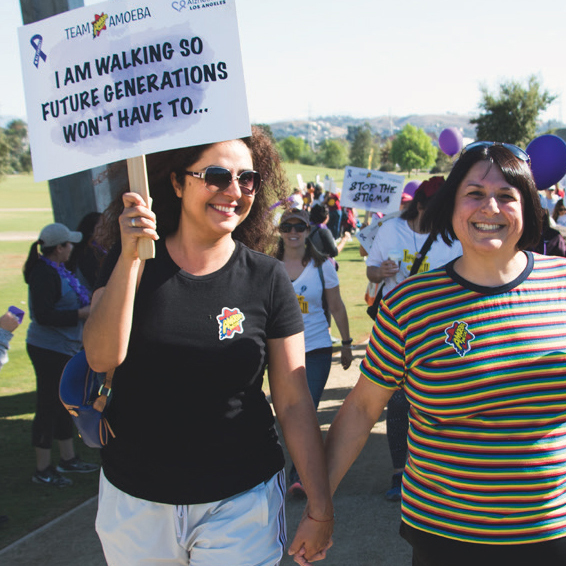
(191, 421)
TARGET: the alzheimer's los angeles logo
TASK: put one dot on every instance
(459, 337)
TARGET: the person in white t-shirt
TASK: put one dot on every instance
(548, 198)
(389, 261)
(315, 281)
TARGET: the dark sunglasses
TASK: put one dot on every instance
(516, 151)
(286, 227)
(218, 179)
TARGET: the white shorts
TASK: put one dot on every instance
(245, 529)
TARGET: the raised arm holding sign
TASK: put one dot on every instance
(189, 332)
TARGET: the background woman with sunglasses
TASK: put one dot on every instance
(195, 472)
(314, 280)
(559, 213)
(478, 347)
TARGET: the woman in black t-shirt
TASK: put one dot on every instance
(195, 466)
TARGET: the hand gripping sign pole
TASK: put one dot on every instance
(137, 175)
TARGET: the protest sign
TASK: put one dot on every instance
(121, 79)
(366, 235)
(371, 190)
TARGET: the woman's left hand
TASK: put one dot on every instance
(346, 356)
(312, 540)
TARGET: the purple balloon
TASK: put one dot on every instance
(450, 141)
(411, 187)
(548, 160)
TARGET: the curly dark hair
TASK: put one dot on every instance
(257, 231)
(437, 218)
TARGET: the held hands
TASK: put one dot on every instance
(346, 356)
(313, 539)
(136, 221)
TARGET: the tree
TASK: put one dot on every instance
(412, 149)
(16, 138)
(511, 116)
(334, 154)
(4, 154)
(385, 156)
(267, 131)
(291, 148)
(361, 140)
(443, 163)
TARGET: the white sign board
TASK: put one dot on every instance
(366, 235)
(371, 190)
(120, 79)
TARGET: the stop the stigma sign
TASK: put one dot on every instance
(121, 79)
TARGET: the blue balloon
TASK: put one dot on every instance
(548, 160)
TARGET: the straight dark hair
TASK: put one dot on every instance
(310, 253)
(437, 218)
(33, 257)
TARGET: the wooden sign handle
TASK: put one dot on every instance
(137, 175)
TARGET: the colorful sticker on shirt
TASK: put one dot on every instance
(230, 323)
(303, 305)
(459, 337)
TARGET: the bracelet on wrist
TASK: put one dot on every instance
(319, 521)
(347, 342)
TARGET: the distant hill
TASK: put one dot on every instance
(319, 129)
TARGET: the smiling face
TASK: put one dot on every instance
(215, 215)
(488, 213)
(295, 239)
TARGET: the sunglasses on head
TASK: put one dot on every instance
(516, 151)
(286, 227)
(218, 179)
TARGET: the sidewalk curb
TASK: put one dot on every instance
(45, 527)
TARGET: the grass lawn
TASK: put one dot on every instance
(29, 505)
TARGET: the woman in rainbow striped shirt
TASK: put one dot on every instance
(479, 348)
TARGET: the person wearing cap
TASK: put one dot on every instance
(389, 261)
(59, 306)
(315, 282)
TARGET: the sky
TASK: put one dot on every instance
(366, 58)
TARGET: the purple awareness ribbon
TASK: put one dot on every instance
(36, 42)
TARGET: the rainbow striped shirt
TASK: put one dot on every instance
(484, 371)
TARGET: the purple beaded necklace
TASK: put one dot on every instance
(64, 273)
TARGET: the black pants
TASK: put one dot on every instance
(51, 418)
(433, 550)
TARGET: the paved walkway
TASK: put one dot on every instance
(366, 532)
(18, 236)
